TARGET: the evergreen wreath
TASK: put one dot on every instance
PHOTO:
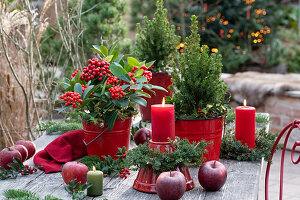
(157, 40)
(199, 91)
(184, 154)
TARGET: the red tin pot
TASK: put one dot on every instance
(209, 130)
(161, 79)
(146, 178)
(107, 144)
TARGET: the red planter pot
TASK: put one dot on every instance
(161, 79)
(146, 178)
(107, 144)
(209, 130)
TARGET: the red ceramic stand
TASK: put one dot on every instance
(146, 178)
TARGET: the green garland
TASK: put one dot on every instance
(26, 195)
(183, 155)
(234, 150)
(144, 157)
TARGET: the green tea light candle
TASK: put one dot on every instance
(96, 178)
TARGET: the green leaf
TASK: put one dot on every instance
(149, 64)
(128, 68)
(132, 61)
(138, 72)
(124, 87)
(108, 58)
(139, 100)
(159, 88)
(112, 48)
(103, 88)
(96, 48)
(111, 118)
(88, 100)
(143, 94)
(137, 86)
(121, 102)
(86, 91)
(104, 50)
(62, 109)
(115, 55)
(78, 88)
(141, 79)
(120, 72)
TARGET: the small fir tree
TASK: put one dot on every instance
(157, 40)
(200, 92)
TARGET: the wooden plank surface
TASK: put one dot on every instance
(242, 183)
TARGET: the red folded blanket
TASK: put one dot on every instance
(65, 148)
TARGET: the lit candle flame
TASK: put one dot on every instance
(245, 102)
(163, 101)
(94, 168)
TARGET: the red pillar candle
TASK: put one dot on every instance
(162, 122)
(245, 125)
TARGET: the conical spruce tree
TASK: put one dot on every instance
(157, 40)
(200, 92)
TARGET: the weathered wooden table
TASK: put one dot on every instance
(242, 183)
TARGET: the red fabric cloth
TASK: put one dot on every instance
(65, 148)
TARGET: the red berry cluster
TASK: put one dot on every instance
(111, 79)
(124, 173)
(146, 73)
(28, 170)
(116, 92)
(199, 111)
(74, 74)
(96, 69)
(71, 98)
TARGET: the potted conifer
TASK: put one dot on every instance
(199, 94)
(157, 42)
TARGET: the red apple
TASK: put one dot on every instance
(170, 185)
(30, 146)
(212, 175)
(23, 151)
(7, 155)
(142, 135)
(74, 170)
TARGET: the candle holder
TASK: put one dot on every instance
(146, 178)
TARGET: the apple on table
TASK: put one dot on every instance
(170, 185)
(212, 175)
(74, 170)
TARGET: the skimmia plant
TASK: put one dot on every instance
(109, 87)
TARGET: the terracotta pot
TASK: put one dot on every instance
(146, 178)
(209, 130)
(107, 144)
(161, 79)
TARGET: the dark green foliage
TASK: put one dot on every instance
(183, 155)
(156, 40)
(17, 168)
(109, 165)
(105, 21)
(232, 149)
(224, 25)
(26, 195)
(77, 190)
(197, 80)
(73, 122)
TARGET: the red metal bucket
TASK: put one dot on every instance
(209, 130)
(107, 144)
(161, 79)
